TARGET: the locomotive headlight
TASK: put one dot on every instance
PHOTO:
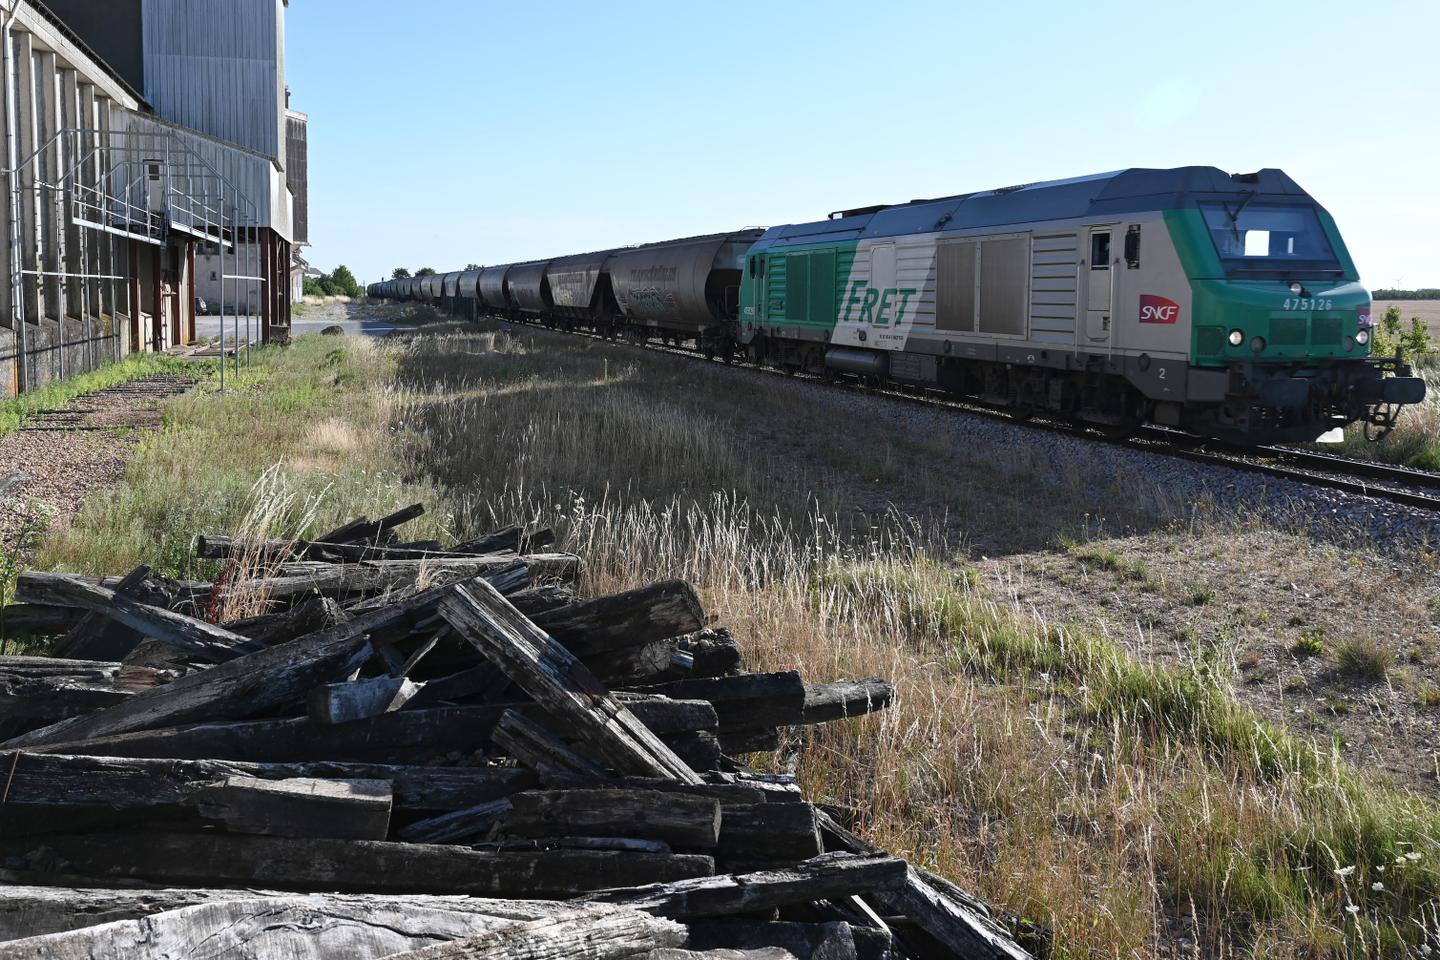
(1362, 337)
(1258, 344)
(1295, 288)
(1237, 337)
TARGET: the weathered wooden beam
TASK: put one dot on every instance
(307, 616)
(34, 911)
(339, 579)
(18, 619)
(635, 618)
(849, 698)
(421, 651)
(586, 934)
(536, 600)
(537, 749)
(631, 666)
(238, 688)
(508, 538)
(124, 783)
(195, 637)
(354, 865)
(352, 700)
(69, 688)
(713, 653)
(629, 844)
(362, 528)
(28, 668)
(664, 715)
(699, 749)
(959, 922)
(457, 826)
(402, 737)
(826, 877)
(834, 940)
(87, 639)
(298, 807)
(745, 702)
(679, 819)
(555, 679)
(762, 834)
(737, 742)
(293, 927)
(215, 547)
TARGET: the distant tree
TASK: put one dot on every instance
(473, 266)
(425, 272)
(313, 288)
(344, 281)
(1424, 293)
(400, 273)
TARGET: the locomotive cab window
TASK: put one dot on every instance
(1100, 251)
(1268, 236)
(752, 266)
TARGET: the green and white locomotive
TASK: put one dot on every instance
(1225, 305)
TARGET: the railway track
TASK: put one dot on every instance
(1400, 485)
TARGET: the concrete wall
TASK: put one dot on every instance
(60, 311)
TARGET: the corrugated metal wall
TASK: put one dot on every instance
(217, 66)
(297, 173)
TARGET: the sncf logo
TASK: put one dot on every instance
(1155, 309)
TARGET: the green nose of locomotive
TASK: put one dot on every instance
(1278, 305)
(1279, 320)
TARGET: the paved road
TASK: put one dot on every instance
(354, 318)
(208, 327)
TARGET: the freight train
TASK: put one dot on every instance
(1222, 304)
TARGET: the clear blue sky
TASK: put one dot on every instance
(447, 131)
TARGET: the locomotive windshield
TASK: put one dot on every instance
(1268, 237)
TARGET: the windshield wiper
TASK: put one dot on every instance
(1235, 216)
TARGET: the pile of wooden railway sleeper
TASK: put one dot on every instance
(426, 752)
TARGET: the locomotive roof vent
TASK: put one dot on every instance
(858, 211)
(1246, 177)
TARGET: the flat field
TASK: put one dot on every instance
(1426, 310)
(1165, 715)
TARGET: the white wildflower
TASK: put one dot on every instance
(1377, 886)
(1350, 908)
(1344, 871)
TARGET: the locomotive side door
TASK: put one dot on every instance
(1099, 286)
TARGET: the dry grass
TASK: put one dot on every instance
(1126, 804)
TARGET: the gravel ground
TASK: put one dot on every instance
(64, 455)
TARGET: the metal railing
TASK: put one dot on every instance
(82, 189)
